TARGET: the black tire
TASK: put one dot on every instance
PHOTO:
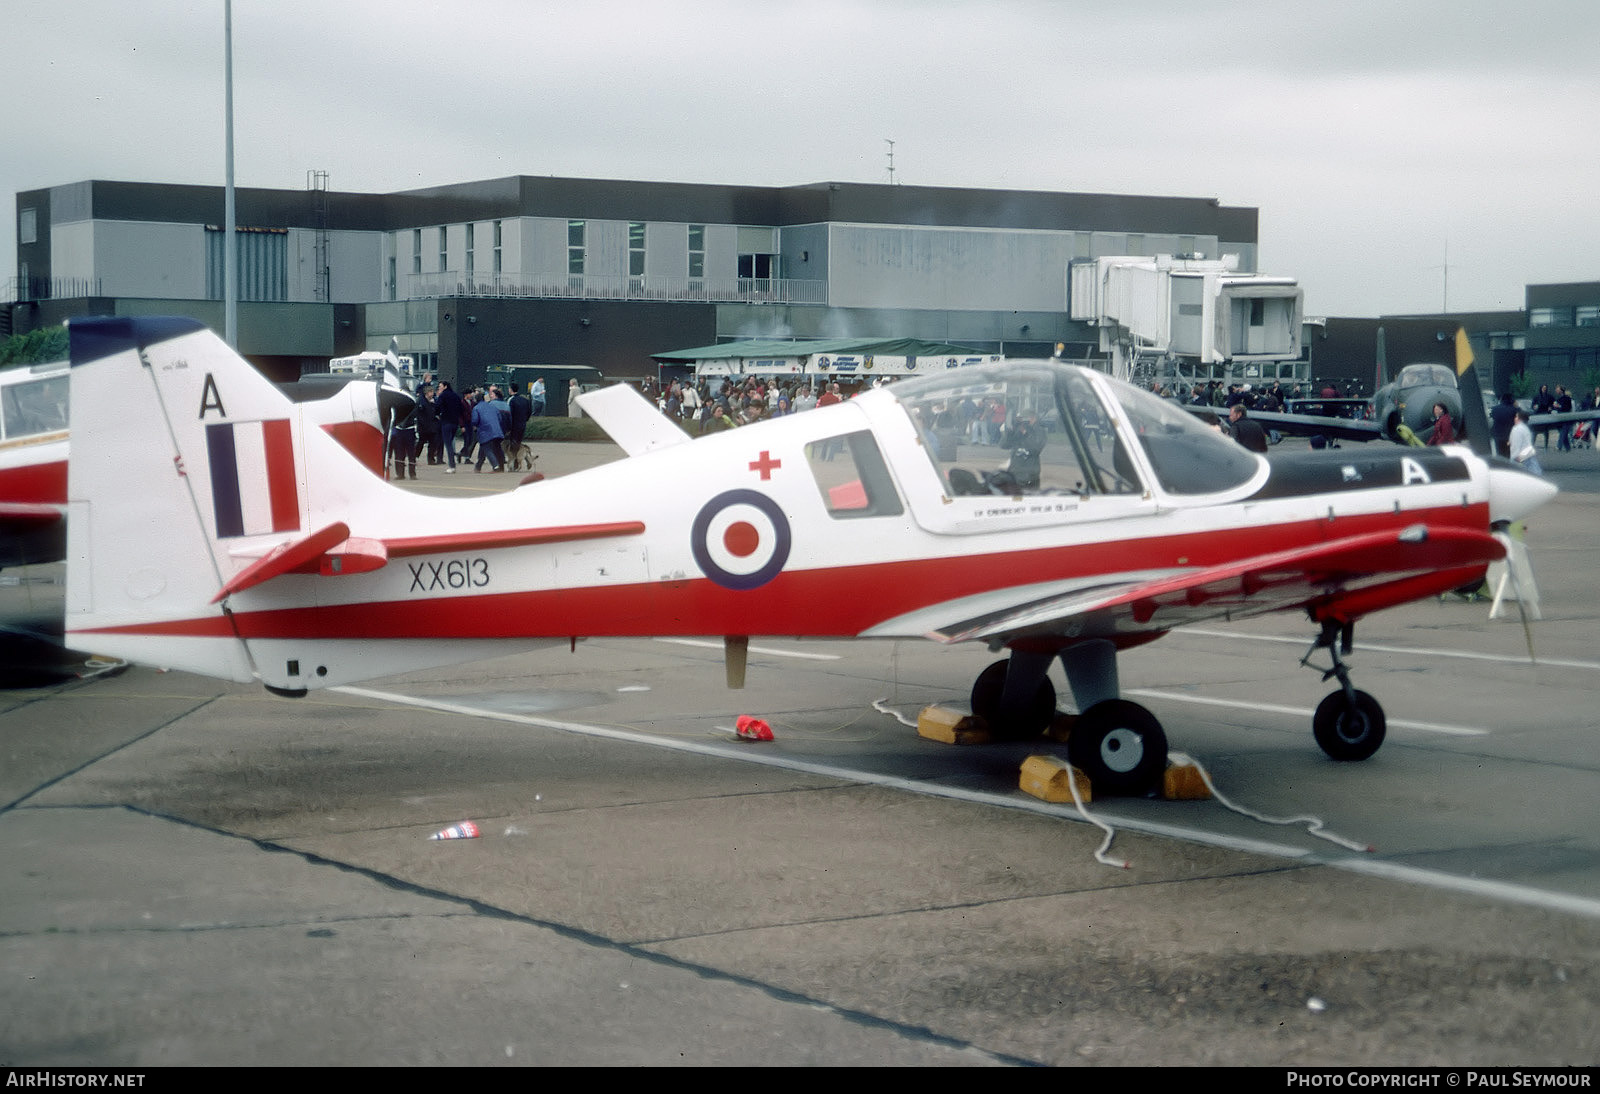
(1019, 725)
(1349, 732)
(1120, 746)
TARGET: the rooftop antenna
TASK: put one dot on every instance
(890, 143)
(1446, 302)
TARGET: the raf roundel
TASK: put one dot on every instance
(740, 539)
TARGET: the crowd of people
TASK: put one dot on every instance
(449, 426)
(485, 419)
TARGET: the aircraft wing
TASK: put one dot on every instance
(1341, 580)
(1303, 425)
(1550, 421)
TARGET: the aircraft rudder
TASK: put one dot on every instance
(140, 565)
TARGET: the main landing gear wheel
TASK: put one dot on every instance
(1346, 729)
(1032, 720)
(1120, 746)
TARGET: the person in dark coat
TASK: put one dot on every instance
(521, 409)
(448, 407)
(1026, 441)
(1246, 430)
(1501, 418)
(428, 424)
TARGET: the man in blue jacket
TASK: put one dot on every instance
(489, 420)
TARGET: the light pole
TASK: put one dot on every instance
(230, 244)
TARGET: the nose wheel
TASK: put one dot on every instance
(1348, 724)
(1349, 727)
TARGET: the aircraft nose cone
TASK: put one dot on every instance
(1515, 493)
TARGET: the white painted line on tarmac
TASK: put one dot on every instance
(1413, 651)
(1300, 712)
(765, 650)
(1362, 864)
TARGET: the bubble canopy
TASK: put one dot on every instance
(1083, 422)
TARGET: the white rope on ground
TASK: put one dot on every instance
(880, 706)
(1100, 854)
(1314, 825)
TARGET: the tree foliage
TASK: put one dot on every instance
(46, 344)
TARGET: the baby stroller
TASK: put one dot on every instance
(1582, 434)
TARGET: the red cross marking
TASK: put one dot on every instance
(765, 465)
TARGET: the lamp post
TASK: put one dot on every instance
(230, 244)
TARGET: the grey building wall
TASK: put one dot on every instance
(979, 267)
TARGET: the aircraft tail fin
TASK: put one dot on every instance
(186, 466)
(1474, 419)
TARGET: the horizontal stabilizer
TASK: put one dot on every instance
(285, 559)
(333, 552)
(508, 537)
(631, 420)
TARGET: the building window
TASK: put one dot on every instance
(263, 263)
(499, 264)
(1588, 315)
(28, 226)
(470, 235)
(697, 250)
(635, 249)
(575, 246)
(1135, 243)
(392, 277)
(416, 250)
(1550, 317)
(444, 249)
(759, 267)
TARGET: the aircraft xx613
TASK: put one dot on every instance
(212, 530)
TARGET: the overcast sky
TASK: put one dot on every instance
(1385, 142)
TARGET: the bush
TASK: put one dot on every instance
(563, 429)
(46, 344)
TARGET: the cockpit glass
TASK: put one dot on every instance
(1000, 430)
(1426, 376)
(34, 406)
(1189, 457)
(1043, 428)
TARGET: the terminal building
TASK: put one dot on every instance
(610, 274)
(594, 272)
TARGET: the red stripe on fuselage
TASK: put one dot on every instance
(35, 483)
(826, 602)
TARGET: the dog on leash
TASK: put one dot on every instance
(518, 458)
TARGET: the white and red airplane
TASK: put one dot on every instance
(34, 445)
(213, 530)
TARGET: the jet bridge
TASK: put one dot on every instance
(1193, 310)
